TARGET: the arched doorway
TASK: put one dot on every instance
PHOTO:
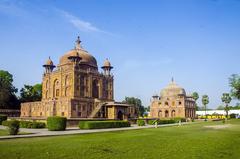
(95, 89)
(160, 113)
(120, 115)
(173, 113)
(166, 114)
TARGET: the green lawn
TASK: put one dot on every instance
(189, 141)
(5, 133)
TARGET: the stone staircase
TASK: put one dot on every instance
(97, 108)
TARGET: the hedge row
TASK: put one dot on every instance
(2, 118)
(26, 124)
(33, 125)
(5, 122)
(103, 124)
(152, 122)
(171, 121)
(180, 119)
(166, 121)
(140, 122)
(56, 123)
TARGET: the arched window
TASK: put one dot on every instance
(95, 89)
(56, 86)
(67, 81)
(166, 103)
(67, 91)
(82, 86)
(47, 84)
(46, 95)
(159, 113)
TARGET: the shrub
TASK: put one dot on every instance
(167, 121)
(24, 124)
(56, 123)
(2, 118)
(13, 127)
(232, 116)
(177, 119)
(152, 122)
(103, 124)
(140, 122)
(32, 125)
(38, 125)
(5, 123)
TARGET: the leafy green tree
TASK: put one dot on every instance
(236, 107)
(8, 98)
(234, 82)
(31, 93)
(195, 97)
(226, 98)
(147, 109)
(137, 103)
(220, 107)
(205, 101)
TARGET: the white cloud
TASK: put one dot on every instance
(80, 24)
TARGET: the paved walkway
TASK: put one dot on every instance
(75, 130)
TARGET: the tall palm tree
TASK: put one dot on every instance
(226, 98)
(195, 97)
(205, 101)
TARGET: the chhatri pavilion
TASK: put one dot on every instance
(76, 89)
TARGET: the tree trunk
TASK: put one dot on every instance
(226, 111)
(205, 112)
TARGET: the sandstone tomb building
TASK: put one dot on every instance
(76, 89)
(172, 102)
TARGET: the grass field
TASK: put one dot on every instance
(184, 142)
(5, 133)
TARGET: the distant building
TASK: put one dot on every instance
(76, 89)
(217, 112)
(173, 102)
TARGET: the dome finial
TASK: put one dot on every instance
(78, 43)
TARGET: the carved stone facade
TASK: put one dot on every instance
(173, 102)
(76, 89)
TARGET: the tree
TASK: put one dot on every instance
(31, 93)
(137, 103)
(226, 98)
(195, 97)
(236, 107)
(234, 82)
(147, 109)
(205, 101)
(220, 107)
(8, 99)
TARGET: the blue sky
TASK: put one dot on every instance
(147, 42)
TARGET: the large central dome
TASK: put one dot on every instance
(87, 58)
(172, 89)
